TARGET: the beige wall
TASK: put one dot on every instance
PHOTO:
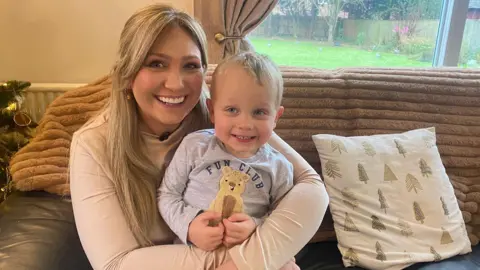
(64, 41)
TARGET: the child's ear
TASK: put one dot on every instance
(279, 114)
(210, 109)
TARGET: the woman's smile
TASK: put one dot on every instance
(171, 101)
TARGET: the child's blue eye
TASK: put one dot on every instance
(232, 110)
(260, 112)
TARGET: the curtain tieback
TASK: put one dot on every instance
(219, 37)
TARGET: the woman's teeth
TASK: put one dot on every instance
(168, 100)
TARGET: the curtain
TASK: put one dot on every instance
(239, 18)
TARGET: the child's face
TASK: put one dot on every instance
(244, 113)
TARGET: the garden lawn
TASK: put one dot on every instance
(320, 55)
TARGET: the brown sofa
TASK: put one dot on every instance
(354, 101)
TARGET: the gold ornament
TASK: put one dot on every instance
(22, 119)
(12, 106)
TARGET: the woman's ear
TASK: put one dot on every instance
(210, 109)
(130, 84)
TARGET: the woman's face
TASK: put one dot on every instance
(169, 83)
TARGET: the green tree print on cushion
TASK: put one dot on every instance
(404, 228)
(419, 216)
(377, 224)
(388, 175)
(362, 174)
(349, 198)
(424, 168)
(349, 225)
(446, 237)
(444, 206)
(369, 149)
(380, 254)
(382, 200)
(351, 256)
(429, 141)
(400, 148)
(332, 169)
(337, 145)
(436, 256)
(412, 183)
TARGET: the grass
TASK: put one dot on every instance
(321, 55)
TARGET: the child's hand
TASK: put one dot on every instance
(238, 227)
(203, 236)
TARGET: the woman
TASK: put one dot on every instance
(118, 158)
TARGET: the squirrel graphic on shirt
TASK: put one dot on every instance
(229, 196)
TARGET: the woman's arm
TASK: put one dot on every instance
(292, 224)
(103, 230)
(175, 212)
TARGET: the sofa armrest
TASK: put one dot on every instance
(37, 231)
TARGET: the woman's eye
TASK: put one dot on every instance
(156, 64)
(192, 66)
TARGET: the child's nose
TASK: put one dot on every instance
(244, 122)
(245, 125)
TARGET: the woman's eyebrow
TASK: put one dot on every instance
(159, 55)
(192, 56)
(186, 57)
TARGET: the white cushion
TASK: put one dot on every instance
(391, 200)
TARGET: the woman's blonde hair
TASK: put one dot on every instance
(134, 175)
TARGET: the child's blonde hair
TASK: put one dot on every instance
(261, 67)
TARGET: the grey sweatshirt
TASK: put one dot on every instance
(191, 181)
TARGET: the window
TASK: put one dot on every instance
(378, 33)
(470, 50)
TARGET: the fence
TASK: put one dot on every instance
(375, 31)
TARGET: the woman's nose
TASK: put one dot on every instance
(174, 81)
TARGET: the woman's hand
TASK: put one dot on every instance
(203, 236)
(238, 227)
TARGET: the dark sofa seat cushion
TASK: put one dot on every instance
(325, 256)
(37, 231)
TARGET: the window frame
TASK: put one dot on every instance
(450, 33)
